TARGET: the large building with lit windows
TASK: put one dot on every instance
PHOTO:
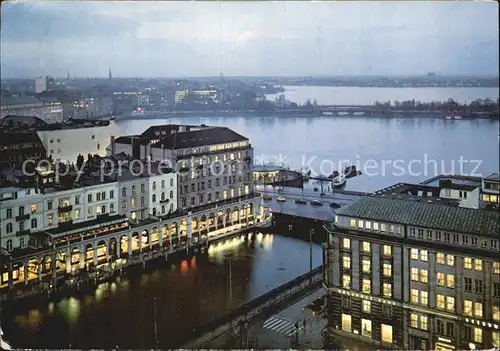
(414, 274)
(214, 163)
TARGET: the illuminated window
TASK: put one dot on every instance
(440, 301)
(450, 260)
(366, 265)
(375, 226)
(440, 258)
(423, 255)
(414, 295)
(440, 279)
(346, 322)
(366, 286)
(414, 320)
(387, 269)
(478, 265)
(387, 250)
(346, 261)
(478, 335)
(346, 282)
(468, 263)
(496, 313)
(33, 208)
(450, 304)
(414, 274)
(496, 267)
(367, 306)
(383, 227)
(424, 276)
(423, 322)
(496, 338)
(478, 309)
(414, 254)
(368, 225)
(132, 203)
(346, 243)
(360, 224)
(424, 298)
(386, 333)
(366, 327)
(366, 246)
(450, 281)
(90, 211)
(467, 308)
(387, 291)
(353, 222)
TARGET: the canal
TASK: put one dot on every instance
(189, 290)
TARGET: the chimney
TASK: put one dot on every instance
(113, 145)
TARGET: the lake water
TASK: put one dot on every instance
(368, 96)
(387, 151)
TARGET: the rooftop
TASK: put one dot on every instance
(20, 100)
(426, 215)
(202, 137)
(493, 177)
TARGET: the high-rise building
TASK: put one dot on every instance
(40, 84)
(414, 275)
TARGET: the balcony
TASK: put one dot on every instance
(22, 217)
(23, 232)
(67, 208)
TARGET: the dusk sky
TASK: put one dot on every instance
(170, 39)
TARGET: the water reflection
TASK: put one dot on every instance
(188, 291)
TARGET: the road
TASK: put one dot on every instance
(289, 207)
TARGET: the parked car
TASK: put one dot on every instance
(281, 199)
(267, 197)
(301, 201)
(335, 205)
(316, 203)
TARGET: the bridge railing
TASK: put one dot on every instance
(258, 301)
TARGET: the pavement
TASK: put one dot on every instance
(279, 331)
(289, 207)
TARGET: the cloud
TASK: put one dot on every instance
(205, 38)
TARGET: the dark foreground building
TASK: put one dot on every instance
(414, 275)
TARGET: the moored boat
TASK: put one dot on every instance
(339, 182)
(458, 117)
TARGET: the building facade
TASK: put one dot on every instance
(214, 163)
(85, 137)
(50, 111)
(162, 194)
(414, 275)
(490, 189)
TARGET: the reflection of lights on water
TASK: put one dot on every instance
(250, 236)
(73, 309)
(173, 267)
(35, 317)
(113, 287)
(155, 275)
(223, 246)
(87, 300)
(70, 308)
(51, 308)
(193, 262)
(99, 293)
(184, 266)
(259, 237)
(268, 242)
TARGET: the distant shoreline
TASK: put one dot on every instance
(304, 114)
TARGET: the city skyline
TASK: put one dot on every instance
(248, 39)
